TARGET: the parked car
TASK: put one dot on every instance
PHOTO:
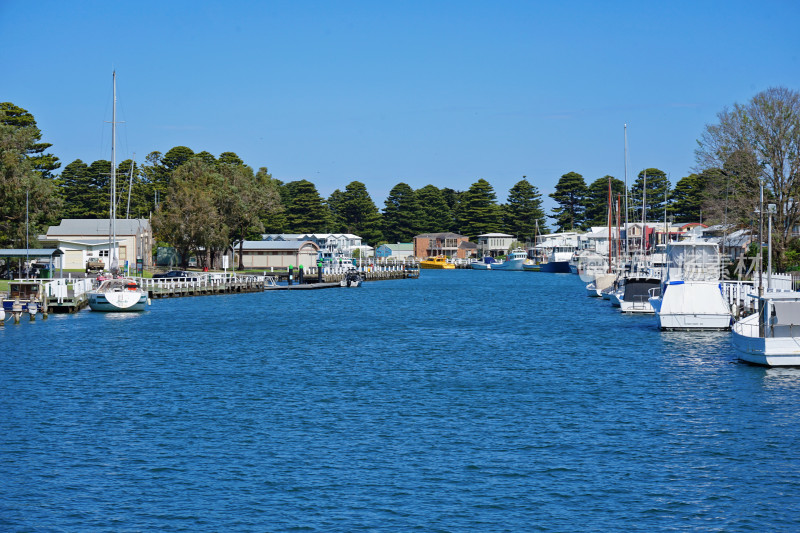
(177, 274)
(94, 263)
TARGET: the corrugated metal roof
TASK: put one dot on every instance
(31, 252)
(97, 226)
(276, 245)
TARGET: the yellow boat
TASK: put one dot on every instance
(439, 261)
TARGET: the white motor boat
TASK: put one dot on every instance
(120, 294)
(351, 279)
(771, 337)
(691, 297)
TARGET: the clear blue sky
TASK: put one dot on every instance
(441, 92)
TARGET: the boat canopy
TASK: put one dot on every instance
(693, 260)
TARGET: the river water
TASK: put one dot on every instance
(462, 401)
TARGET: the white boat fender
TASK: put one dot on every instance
(148, 301)
(735, 310)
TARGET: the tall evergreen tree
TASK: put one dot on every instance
(43, 164)
(687, 199)
(401, 214)
(75, 183)
(435, 213)
(19, 177)
(655, 196)
(479, 212)
(523, 211)
(360, 215)
(569, 194)
(274, 218)
(307, 212)
(596, 201)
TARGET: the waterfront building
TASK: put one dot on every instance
(494, 244)
(82, 239)
(340, 243)
(399, 251)
(276, 254)
(446, 244)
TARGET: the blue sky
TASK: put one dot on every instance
(383, 92)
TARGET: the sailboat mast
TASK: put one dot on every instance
(610, 211)
(627, 242)
(113, 211)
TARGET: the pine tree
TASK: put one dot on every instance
(655, 195)
(569, 194)
(307, 212)
(479, 212)
(360, 215)
(523, 211)
(401, 214)
(596, 201)
(435, 214)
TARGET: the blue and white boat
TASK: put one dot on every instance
(514, 260)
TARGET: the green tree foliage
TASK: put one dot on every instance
(687, 198)
(569, 194)
(764, 131)
(43, 164)
(273, 220)
(524, 216)
(19, 175)
(336, 210)
(453, 199)
(189, 219)
(306, 212)
(401, 214)
(436, 216)
(359, 213)
(242, 199)
(655, 194)
(596, 201)
(479, 212)
(75, 186)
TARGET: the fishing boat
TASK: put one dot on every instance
(514, 260)
(438, 262)
(558, 260)
(771, 337)
(116, 294)
(25, 293)
(691, 297)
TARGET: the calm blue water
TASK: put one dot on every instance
(462, 401)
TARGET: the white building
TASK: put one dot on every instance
(494, 244)
(343, 243)
(81, 239)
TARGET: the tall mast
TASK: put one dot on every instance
(627, 243)
(610, 210)
(113, 211)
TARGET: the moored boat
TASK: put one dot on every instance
(438, 262)
(771, 337)
(515, 260)
(691, 297)
(118, 294)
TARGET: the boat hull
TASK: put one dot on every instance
(556, 267)
(781, 350)
(692, 305)
(114, 302)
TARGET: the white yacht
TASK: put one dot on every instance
(691, 298)
(116, 294)
(120, 294)
(771, 337)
